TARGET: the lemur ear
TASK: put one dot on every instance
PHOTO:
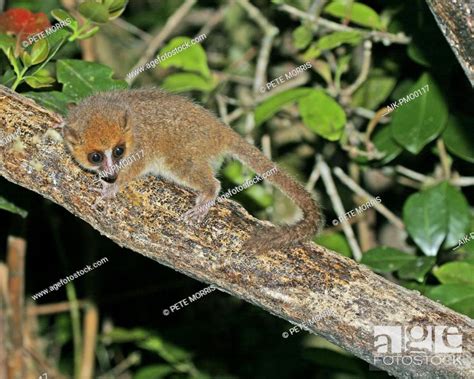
(71, 136)
(125, 121)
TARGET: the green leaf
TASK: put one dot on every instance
(455, 273)
(12, 208)
(260, 195)
(435, 214)
(419, 121)
(12, 59)
(459, 297)
(94, 11)
(56, 39)
(167, 351)
(39, 52)
(466, 247)
(54, 100)
(458, 215)
(417, 270)
(342, 67)
(273, 104)
(459, 137)
(234, 172)
(425, 216)
(324, 69)
(323, 115)
(8, 78)
(81, 79)
(62, 15)
(89, 33)
(190, 58)
(385, 144)
(26, 58)
(115, 7)
(121, 335)
(331, 41)
(416, 54)
(187, 82)
(6, 42)
(334, 241)
(39, 81)
(373, 92)
(302, 36)
(358, 13)
(154, 372)
(386, 259)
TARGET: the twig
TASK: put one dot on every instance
(338, 207)
(375, 36)
(224, 77)
(267, 151)
(270, 32)
(365, 230)
(132, 29)
(132, 359)
(372, 124)
(407, 182)
(364, 71)
(412, 174)
(91, 325)
(3, 319)
(362, 192)
(316, 7)
(16, 249)
(235, 114)
(43, 362)
(444, 158)
(340, 226)
(313, 177)
(48, 309)
(221, 106)
(164, 33)
(212, 22)
(463, 181)
(294, 83)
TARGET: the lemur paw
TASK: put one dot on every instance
(197, 214)
(109, 191)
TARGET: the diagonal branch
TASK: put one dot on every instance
(456, 21)
(297, 284)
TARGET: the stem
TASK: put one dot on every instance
(76, 328)
(60, 45)
(19, 78)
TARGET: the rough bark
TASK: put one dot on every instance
(455, 19)
(297, 284)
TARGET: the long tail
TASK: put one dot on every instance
(273, 237)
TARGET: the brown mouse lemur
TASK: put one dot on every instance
(181, 142)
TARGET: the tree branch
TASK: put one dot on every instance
(455, 19)
(296, 284)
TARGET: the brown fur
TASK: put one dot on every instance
(181, 141)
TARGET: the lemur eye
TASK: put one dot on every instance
(118, 151)
(95, 157)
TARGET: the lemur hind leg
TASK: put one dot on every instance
(201, 179)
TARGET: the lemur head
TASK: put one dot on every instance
(98, 137)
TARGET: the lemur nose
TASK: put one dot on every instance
(110, 179)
